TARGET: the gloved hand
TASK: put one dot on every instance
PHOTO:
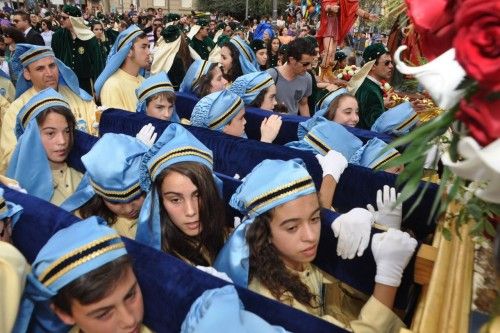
(388, 213)
(269, 128)
(333, 164)
(147, 135)
(212, 271)
(392, 251)
(353, 231)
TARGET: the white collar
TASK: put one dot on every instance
(26, 31)
(375, 80)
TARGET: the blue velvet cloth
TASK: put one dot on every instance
(167, 292)
(169, 286)
(184, 104)
(357, 186)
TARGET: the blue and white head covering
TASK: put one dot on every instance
(29, 164)
(112, 171)
(118, 54)
(153, 85)
(319, 136)
(270, 184)
(247, 58)
(216, 110)
(68, 255)
(9, 209)
(222, 305)
(191, 80)
(398, 120)
(248, 86)
(27, 54)
(175, 145)
(324, 102)
(373, 154)
(261, 28)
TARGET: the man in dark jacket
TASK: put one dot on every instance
(22, 22)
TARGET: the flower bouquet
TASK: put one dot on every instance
(460, 40)
(346, 73)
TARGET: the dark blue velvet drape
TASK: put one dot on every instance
(357, 186)
(185, 103)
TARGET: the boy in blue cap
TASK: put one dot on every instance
(84, 273)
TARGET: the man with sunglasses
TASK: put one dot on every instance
(21, 20)
(77, 47)
(293, 82)
(370, 94)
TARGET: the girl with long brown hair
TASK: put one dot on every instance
(273, 249)
(183, 213)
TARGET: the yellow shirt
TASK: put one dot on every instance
(84, 112)
(342, 305)
(125, 227)
(119, 91)
(4, 106)
(13, 271)
(7, 89)
(65, 182)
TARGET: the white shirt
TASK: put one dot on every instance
(26, 31)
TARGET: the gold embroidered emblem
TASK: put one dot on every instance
(81, 50)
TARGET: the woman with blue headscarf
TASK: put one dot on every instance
(44, 128)
(112, 190)
(224, 111)
(272, 250)
(203, 78)
(183, 213)
(237, 58)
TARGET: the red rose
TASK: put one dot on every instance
(478, 41)
(433, 21)
(482, 117)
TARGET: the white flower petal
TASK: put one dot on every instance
(439, 77)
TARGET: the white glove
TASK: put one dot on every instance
(333, 164)
(147, 135)
(392, 251)
(212, 271)
(388, 213)
(353, 231)
(269, 128)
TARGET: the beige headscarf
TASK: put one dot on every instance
(164, 55)
(81, 30)
(358, 78)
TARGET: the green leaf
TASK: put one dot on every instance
(489, 228)
(465, 83)
(418, 200)
(494, 208)
(437, 200)
(475, 211)
(477, 229)
(446, 234)
(452, 194)
(409, 188)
